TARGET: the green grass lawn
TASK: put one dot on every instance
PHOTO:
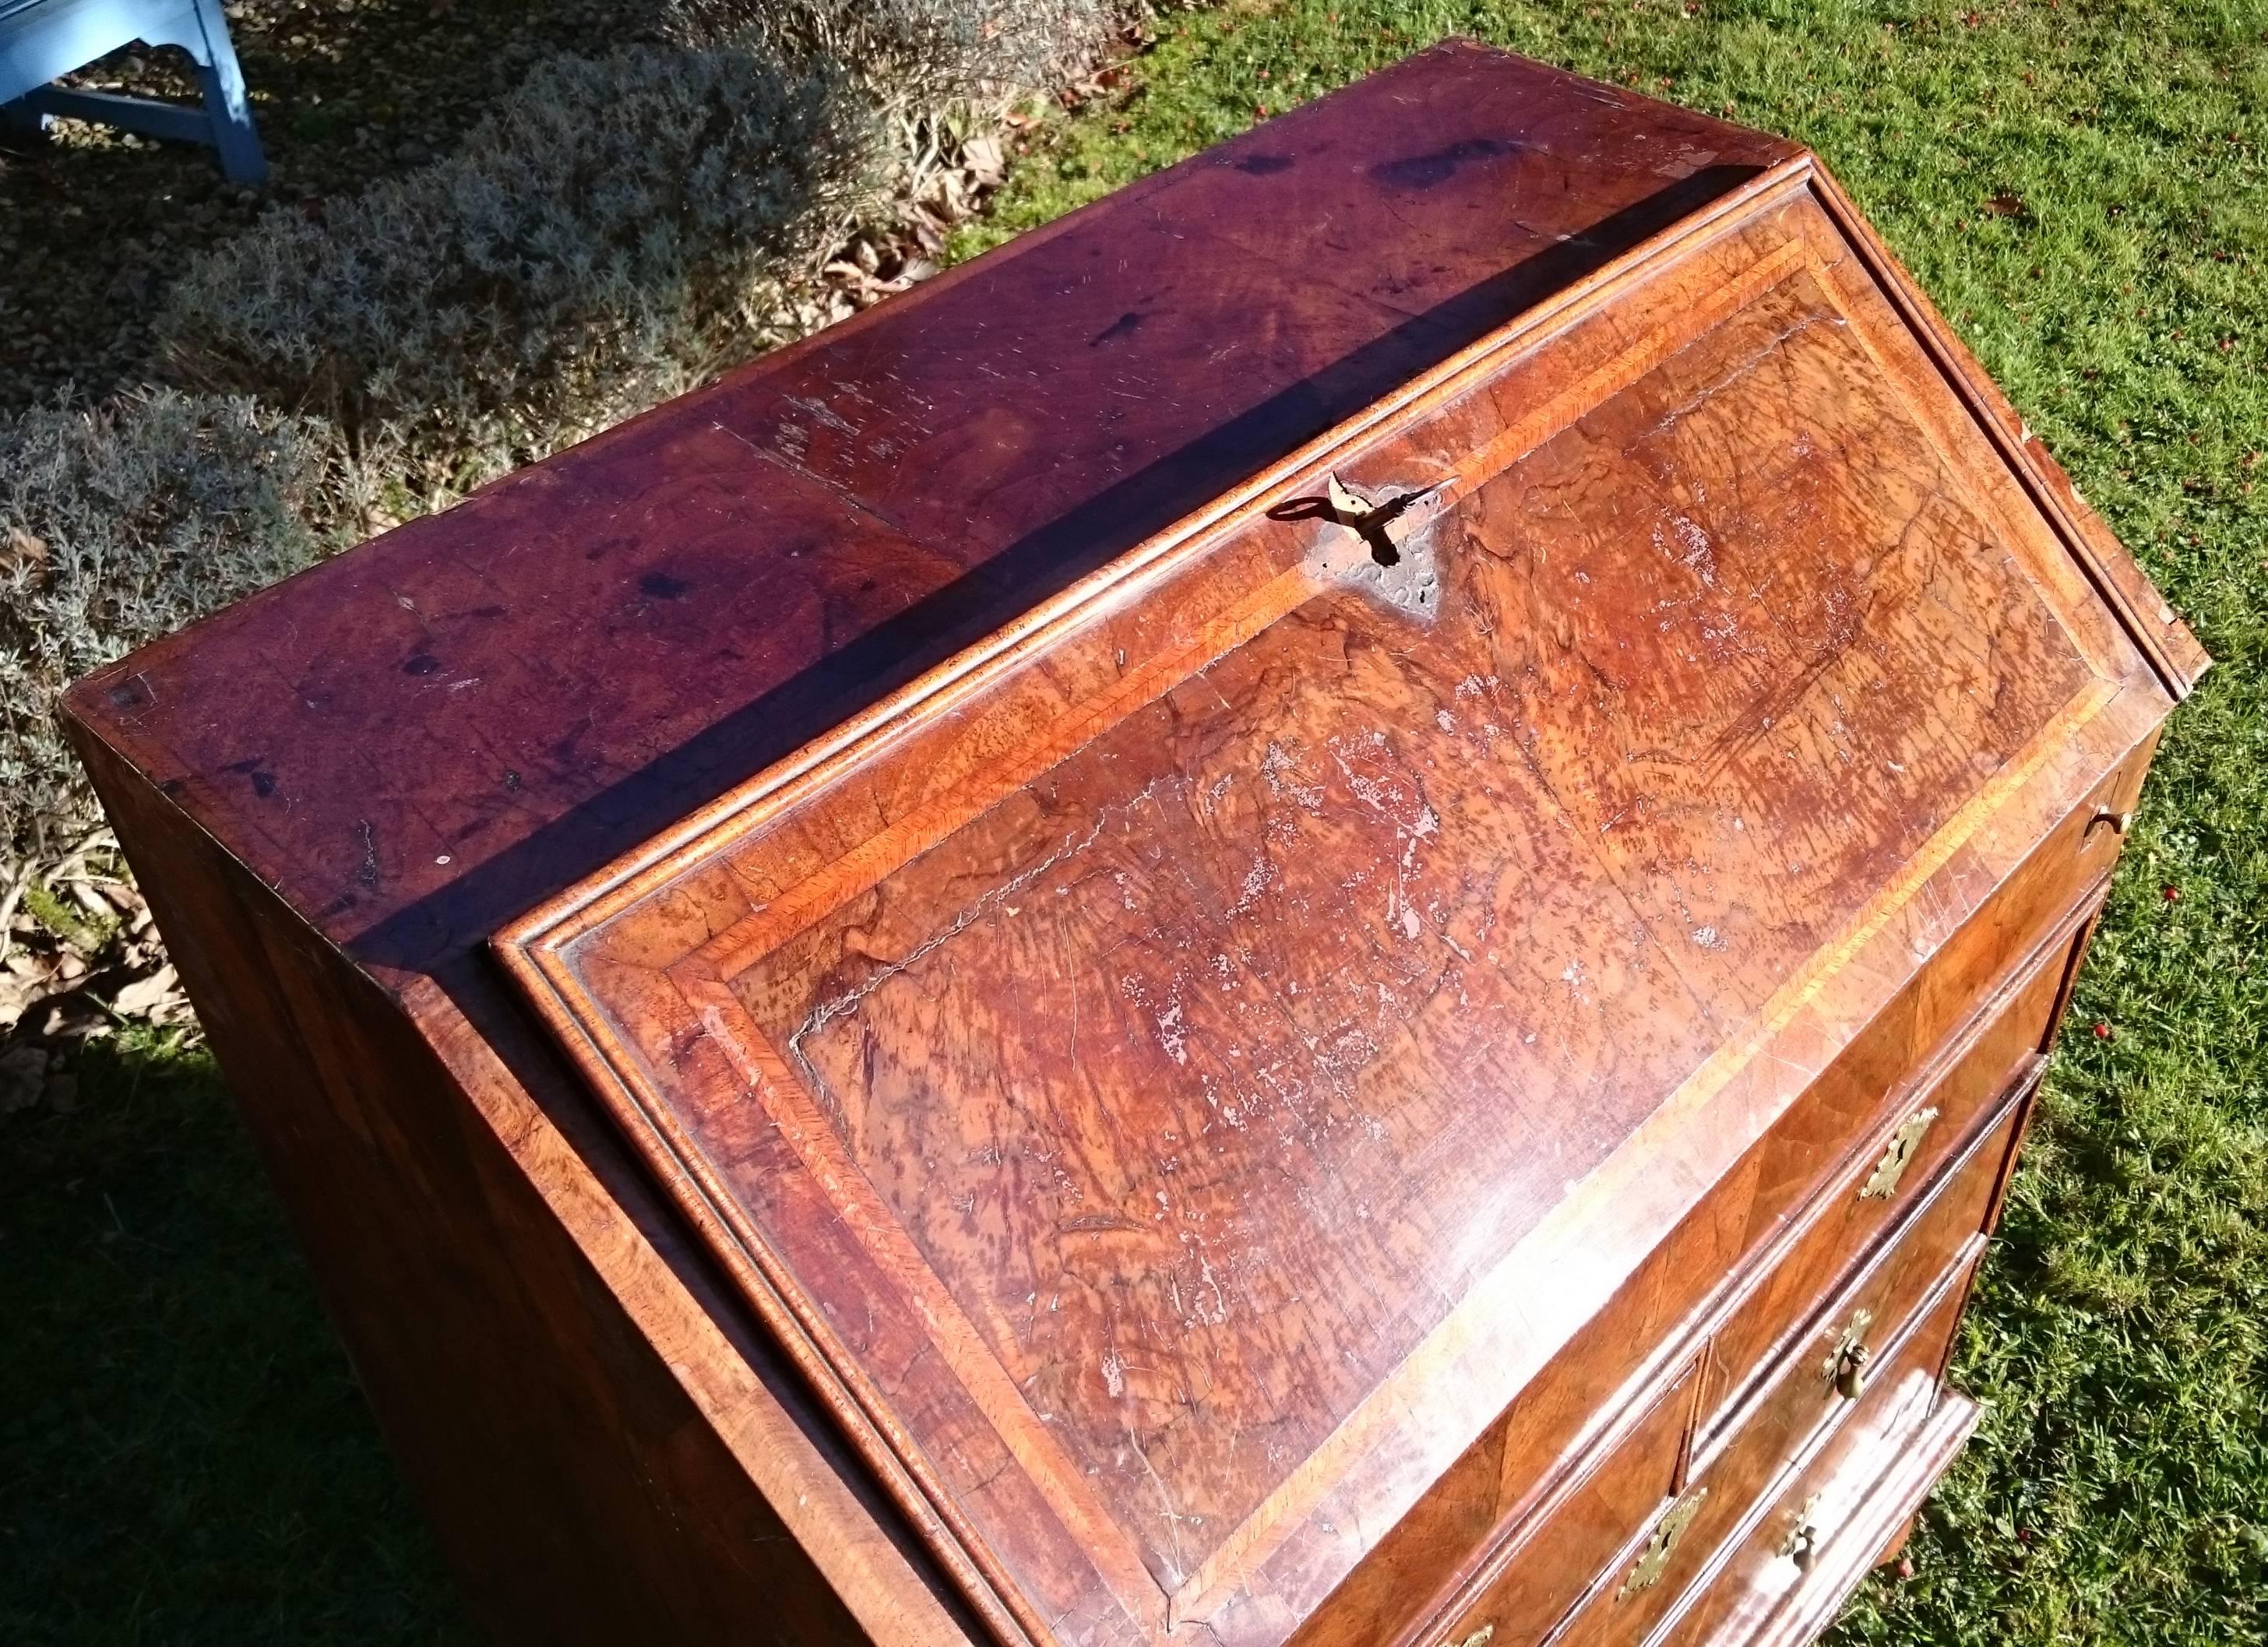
(183, 1456)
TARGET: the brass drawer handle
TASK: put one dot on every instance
(1802, 1544)
(2118, 822)
(1845, 1367)
(1653, 1560)
(1882, 1183)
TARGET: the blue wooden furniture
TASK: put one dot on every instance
(43, 38)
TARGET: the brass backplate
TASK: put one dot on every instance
(1661, 1544)
(1882, 1183)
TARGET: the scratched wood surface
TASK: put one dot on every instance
(1218, 871)
(1126, 1089)
(1208, 1068)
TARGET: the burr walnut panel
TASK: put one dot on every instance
(1259, 1003)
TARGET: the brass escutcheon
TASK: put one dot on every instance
(1882, 1183)
(1661, 1544)
(1478, 1638)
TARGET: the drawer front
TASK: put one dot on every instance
(1819, 1378)
(1831, 1363)
(1819, 1507)
(1528, 1586)
(1931, 1120)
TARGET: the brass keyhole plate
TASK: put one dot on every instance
(1882, 1183)
(1661, 1544)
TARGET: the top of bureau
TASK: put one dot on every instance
(419, 739)
(1182, 846)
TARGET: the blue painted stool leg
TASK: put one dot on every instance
(42, 40)
(233, 138)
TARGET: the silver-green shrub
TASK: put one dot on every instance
(916, 54)
(602, 240)
(120, 525)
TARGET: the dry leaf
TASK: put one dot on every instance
(984, 160)
(145, 997)
(22, 552)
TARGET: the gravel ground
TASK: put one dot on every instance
(95, 221)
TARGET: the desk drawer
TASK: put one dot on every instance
(1933, 1119)
(1528, 1586)
(1827, 1519)
(1811, 1387)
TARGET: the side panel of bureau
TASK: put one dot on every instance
(578, 1492)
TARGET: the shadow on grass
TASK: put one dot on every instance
(184, 1454)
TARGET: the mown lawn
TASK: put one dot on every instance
(183, 1456)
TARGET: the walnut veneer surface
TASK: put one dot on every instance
(1250, 926)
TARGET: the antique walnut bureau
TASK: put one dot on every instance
(1319, 910)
